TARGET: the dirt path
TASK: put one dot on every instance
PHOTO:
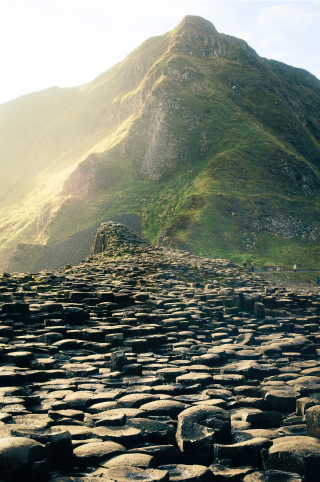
(292, 285)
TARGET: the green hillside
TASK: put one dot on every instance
(215, 147)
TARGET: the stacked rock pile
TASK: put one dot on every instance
(115, 234)
(150, 364)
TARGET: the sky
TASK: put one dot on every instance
(66, 43)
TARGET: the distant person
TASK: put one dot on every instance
(252, 267)
(318, 281)
(245, 264)
(295, 268)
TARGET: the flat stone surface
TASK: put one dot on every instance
(94, 453)
(127, 362)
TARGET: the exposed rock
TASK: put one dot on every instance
(190, 381)
(23, 459)
(300, 455)
(198, 428)
(115, 234)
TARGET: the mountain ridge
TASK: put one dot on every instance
(192, 125)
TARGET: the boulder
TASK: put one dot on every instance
(198, 427)
(23, 459)
(117, 361)
(299, 455)
(282, 400)
(259, 310)
(243, 453)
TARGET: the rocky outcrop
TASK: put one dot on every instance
(83, 180)
(300, 178)
(69, 251)
(113, 234)
(147, 363)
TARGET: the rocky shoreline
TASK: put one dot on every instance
(145, 363)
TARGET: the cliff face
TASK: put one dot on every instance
(83, 180)
(214, 147)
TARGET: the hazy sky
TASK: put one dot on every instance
(69, 42)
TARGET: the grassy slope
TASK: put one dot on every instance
(45, 135)
(223, 141)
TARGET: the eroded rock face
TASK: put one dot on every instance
(118, 369)
(83, 180)
(199, 428)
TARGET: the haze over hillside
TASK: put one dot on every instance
(214, 148)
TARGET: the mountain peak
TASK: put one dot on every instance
(208, 144)
(196, 22)
(201, 36)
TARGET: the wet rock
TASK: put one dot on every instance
(210, 360)
(129, 474)
(246, 339)
(272, 476)
(188, 473)
(224, 473)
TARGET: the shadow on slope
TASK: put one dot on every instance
(69, 251)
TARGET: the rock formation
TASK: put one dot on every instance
(147, 363)
(115, 234)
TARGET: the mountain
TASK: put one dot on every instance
(215, 149)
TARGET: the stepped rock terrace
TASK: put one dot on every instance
(146, 363)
